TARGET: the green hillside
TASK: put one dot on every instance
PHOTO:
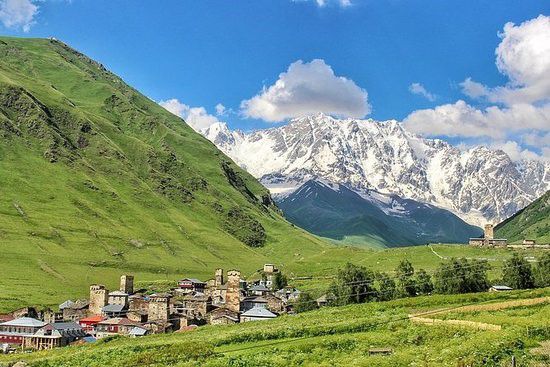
(532, 222)
(341, 336)
(97, 179)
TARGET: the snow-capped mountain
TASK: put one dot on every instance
(479, 185)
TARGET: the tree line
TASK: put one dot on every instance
(359, 284)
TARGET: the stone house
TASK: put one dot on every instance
(137, 302)
(189, 285)
(270, 270)
(196, 305)
(257, 314)
(222, 316)
(275, 304)
(252, 302)
(138, 316)
(114, 326)
(159, 307)
(73, 311)
(158, 327)
(111, 311)
(288, 294)
(118, 298)
(258, 290)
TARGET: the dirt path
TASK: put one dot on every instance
(468, 324)
(543, 349)
(435, 253)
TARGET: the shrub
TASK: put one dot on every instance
(245, 228)
(517, 273)
(406, 286)
(542, 271)
(353, 284)
(461, 276)
(305, 302)
(387, 289)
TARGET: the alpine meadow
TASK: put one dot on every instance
(274, 183)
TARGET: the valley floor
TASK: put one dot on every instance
(372, 334)
(46, 279)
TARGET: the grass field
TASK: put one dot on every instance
(337, 336)
(48, 284)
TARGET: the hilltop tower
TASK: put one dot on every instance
(98, 298)
(233, 294)
(159, 307)
(127, 284)
(489, 231)
(218, 277)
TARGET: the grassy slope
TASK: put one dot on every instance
(131, 187)
(334, 337)
(532, 222)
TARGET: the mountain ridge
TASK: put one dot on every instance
(479, 184)
(336, 212)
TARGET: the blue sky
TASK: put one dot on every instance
(205, 53)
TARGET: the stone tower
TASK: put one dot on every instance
(159, 307)
(489, 235)
(98, 298)
(218, 277)
(269, 271)
(233, 293)
(127, 284)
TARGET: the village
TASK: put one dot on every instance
(225, 299)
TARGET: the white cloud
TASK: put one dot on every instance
(220, 109)
(524, 53)
(18, 14)
(515, 151)
(323, 3)
(417, 88)
(196, 117)
(521, 114)
(473, 89)
(461, 119)
(537, 140)
(307, 88)
(174, 106)
(523, 56)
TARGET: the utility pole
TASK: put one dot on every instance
(513, 361)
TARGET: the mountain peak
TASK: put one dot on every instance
(383, 156)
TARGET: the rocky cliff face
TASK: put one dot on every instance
(478, 184)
